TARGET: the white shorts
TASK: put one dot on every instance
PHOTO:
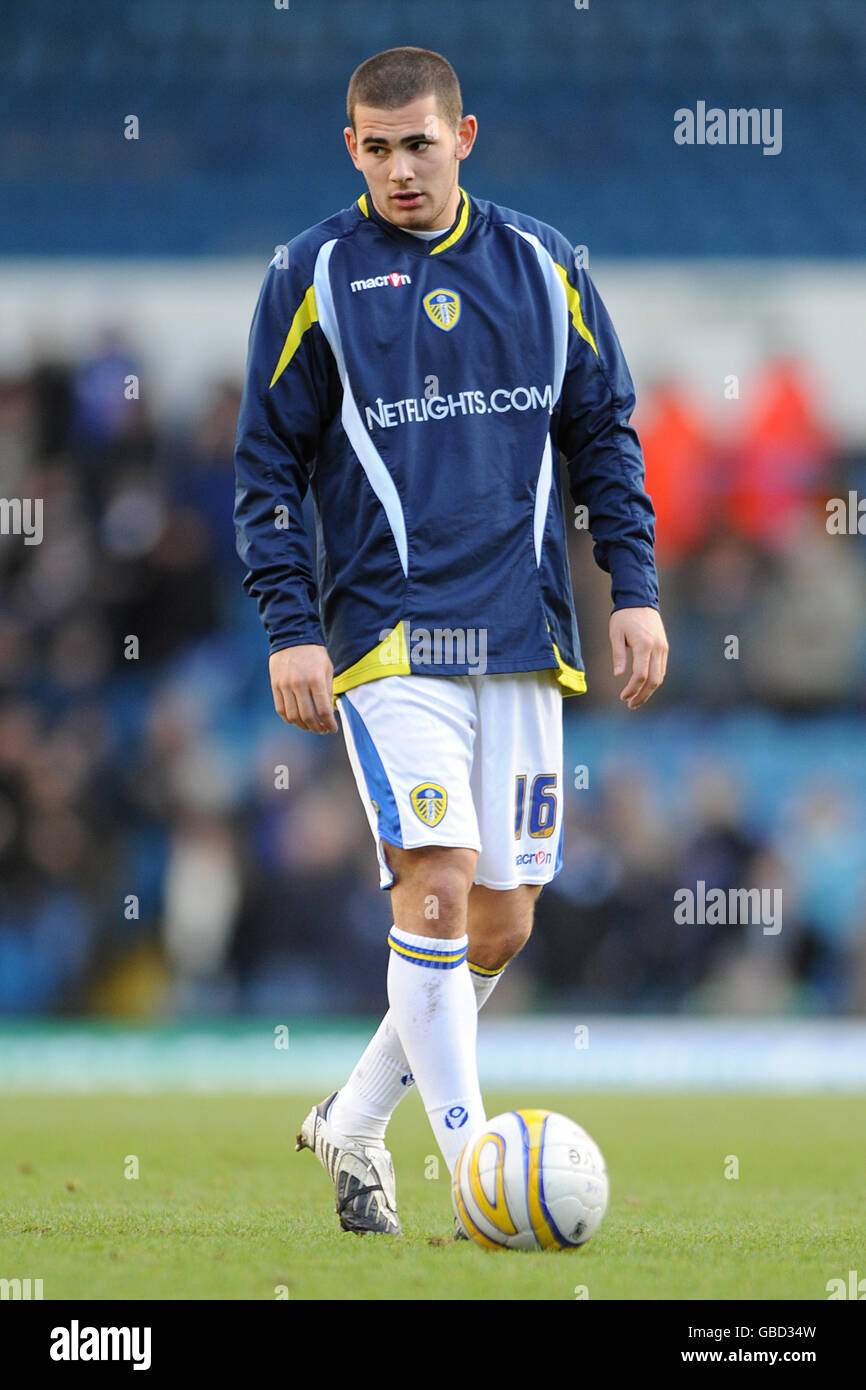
(470, 760)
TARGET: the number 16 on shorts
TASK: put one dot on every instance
(535, 814)
(542, 805)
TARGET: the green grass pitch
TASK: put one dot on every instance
(223, 1208)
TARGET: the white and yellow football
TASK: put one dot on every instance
(530, 1180)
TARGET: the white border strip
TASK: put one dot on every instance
(368, 455)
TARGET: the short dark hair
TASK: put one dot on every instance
(397, 76)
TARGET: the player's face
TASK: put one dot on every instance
(410, 158)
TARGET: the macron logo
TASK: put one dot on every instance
(378, 281)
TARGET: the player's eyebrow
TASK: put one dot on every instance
(407, 139)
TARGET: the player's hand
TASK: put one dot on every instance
(641, 631)
(302, 680)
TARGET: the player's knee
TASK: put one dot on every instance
(446, 886)
(513, 938)
(495, 953)
(498, 934)
(442, 875)
(519, 919)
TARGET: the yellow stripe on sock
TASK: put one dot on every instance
(482, 969)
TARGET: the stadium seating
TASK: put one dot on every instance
(241, 109)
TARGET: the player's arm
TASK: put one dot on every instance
(606, 475)
(284, 404)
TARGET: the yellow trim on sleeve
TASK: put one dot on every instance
(389, 658)
(458, 230)
(572, 680)
(305, 315)
(574, 308)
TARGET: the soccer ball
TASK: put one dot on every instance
(530, 1180)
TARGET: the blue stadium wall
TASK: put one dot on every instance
(241, 107)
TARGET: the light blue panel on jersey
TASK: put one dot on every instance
(558, 865)
(375, 776)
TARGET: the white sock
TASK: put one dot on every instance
(382, 1077)
(378, 1083)
(433, 1006)
(484, 981)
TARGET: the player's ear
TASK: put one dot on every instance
(466, 133)
(351, 145)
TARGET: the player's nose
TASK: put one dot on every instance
(401, 169)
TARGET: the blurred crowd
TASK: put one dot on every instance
(154, 863)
